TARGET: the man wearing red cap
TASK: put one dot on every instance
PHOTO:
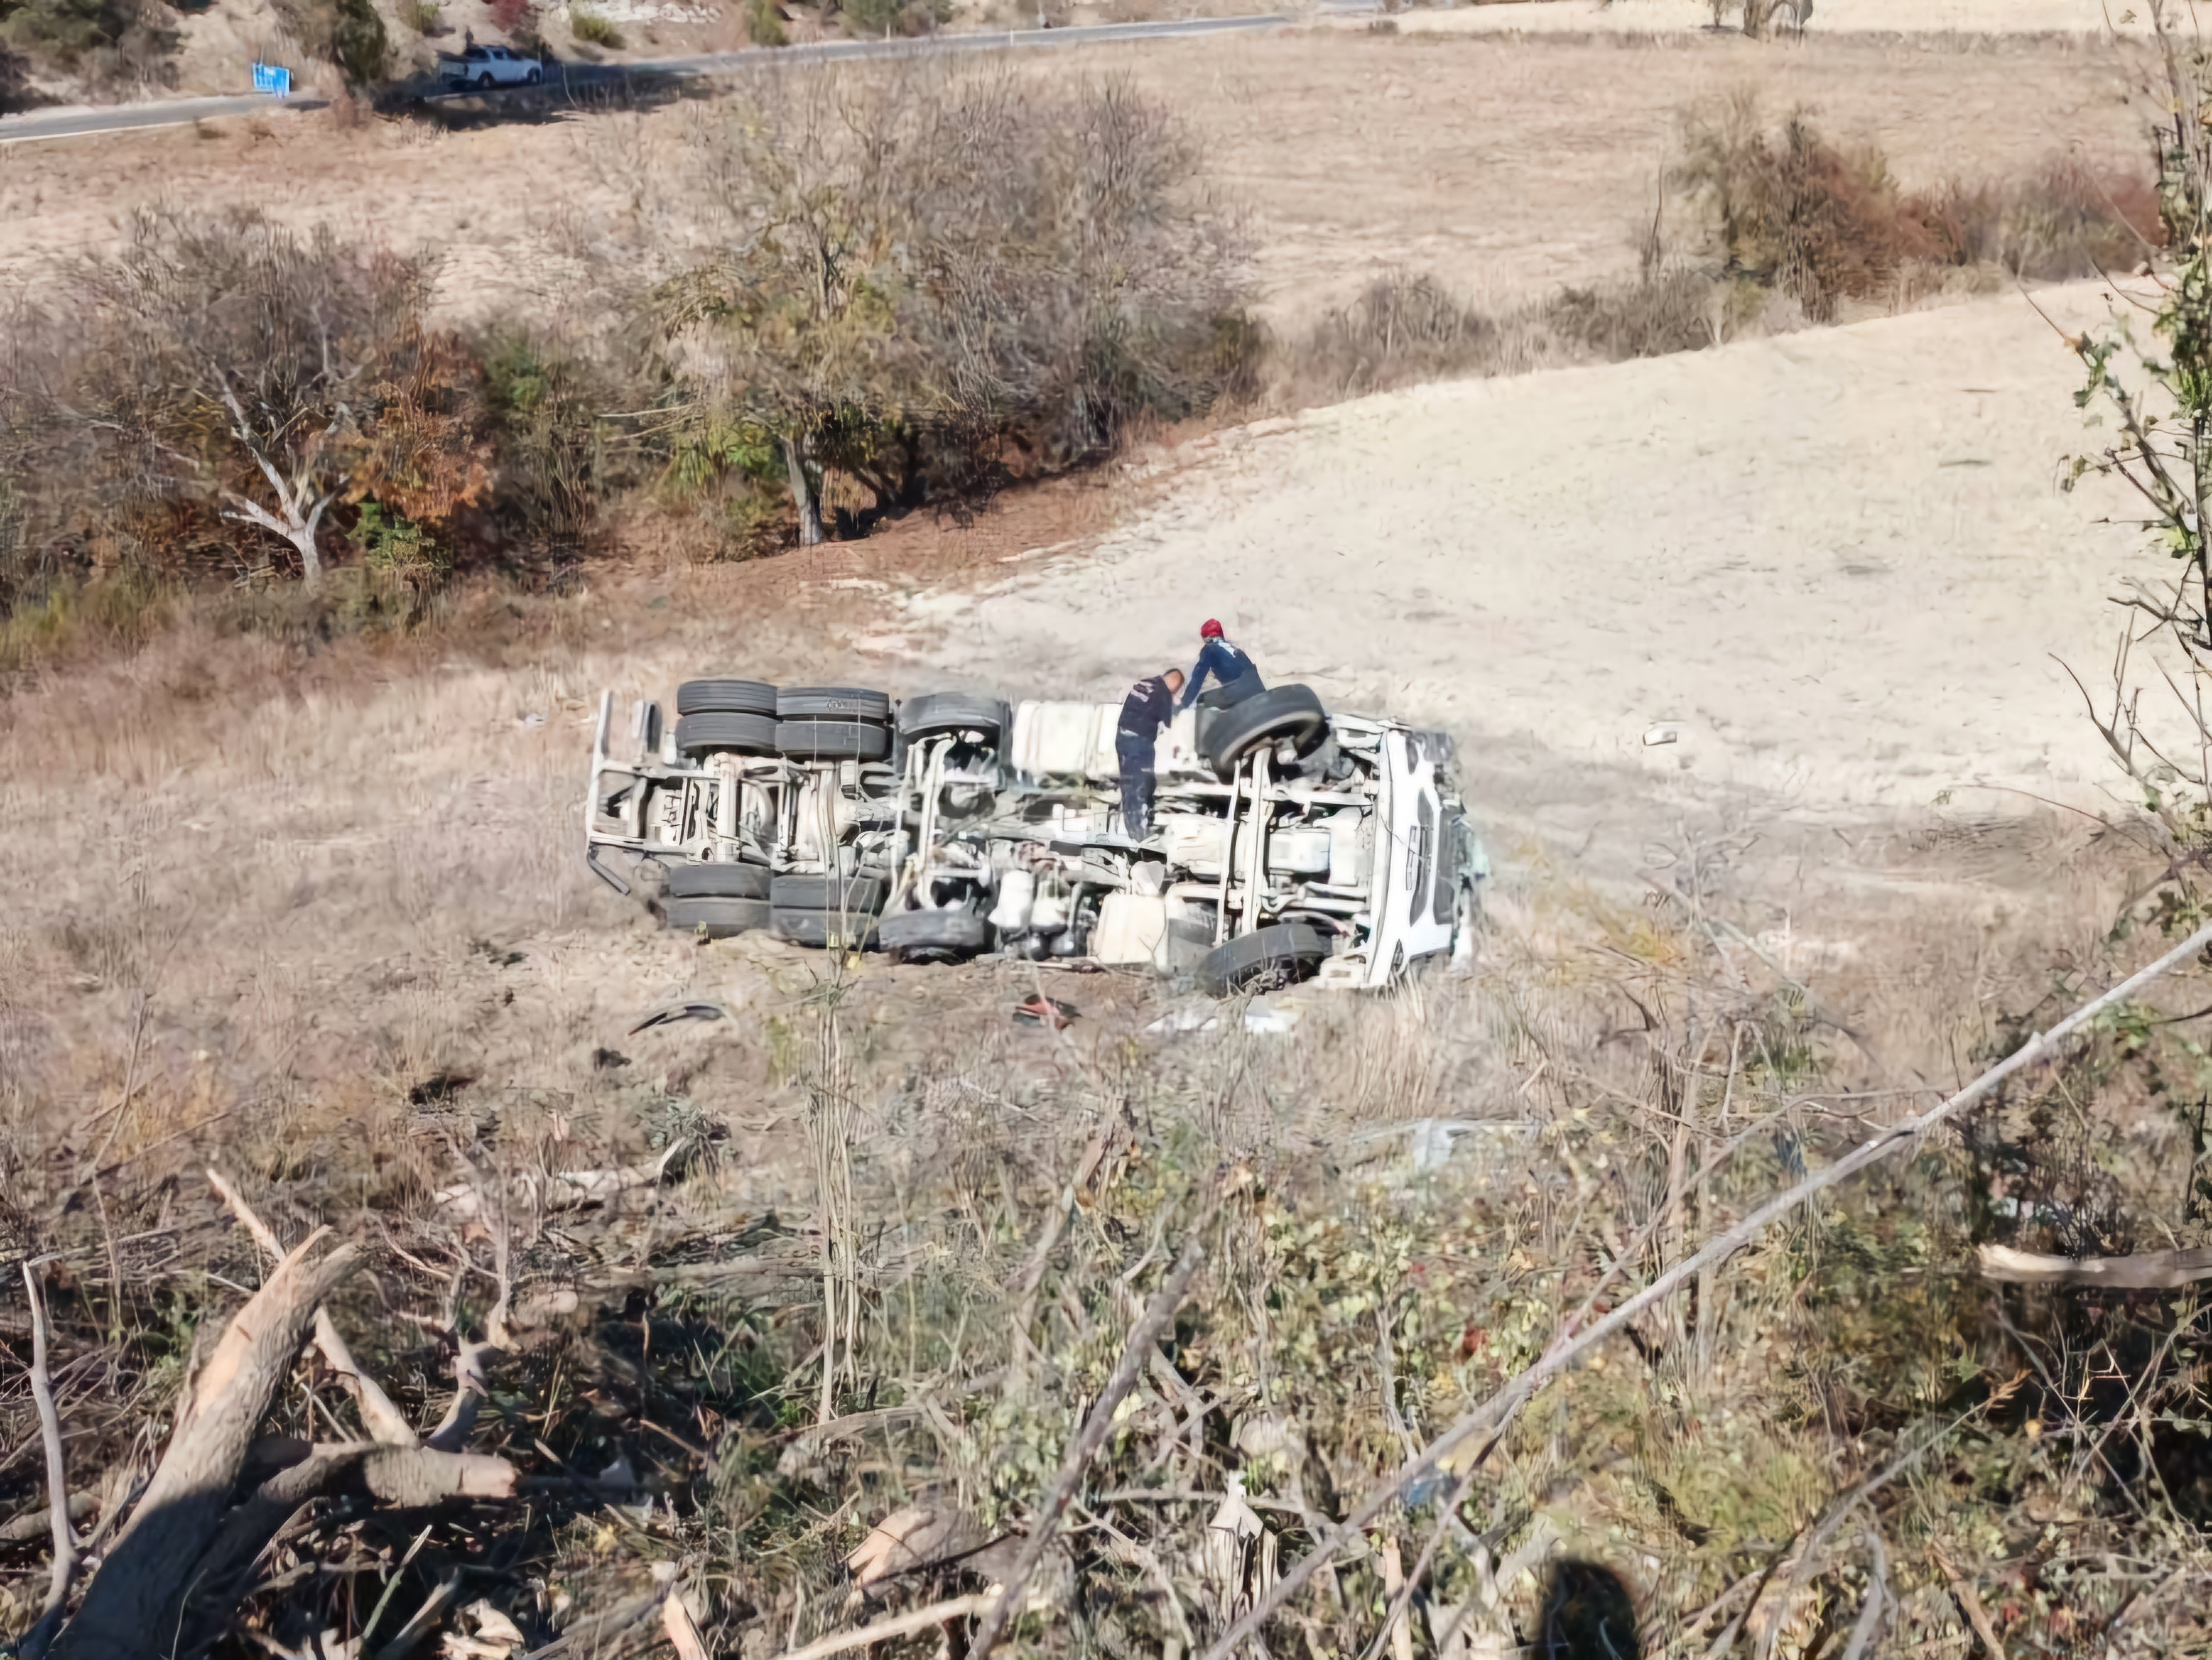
(1234, 677)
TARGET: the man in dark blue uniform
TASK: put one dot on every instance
(1235, 679)
(1150, 706)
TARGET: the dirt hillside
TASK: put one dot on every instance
(1838, 561)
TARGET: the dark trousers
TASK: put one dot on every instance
(1133, 757)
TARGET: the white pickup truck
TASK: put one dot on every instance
(1287, 841)
(482, 68)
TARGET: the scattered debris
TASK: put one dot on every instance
(493, 1627)
(1192, 1016)
(438, 1087)
(1663, 733)
(560, 1189)
(1431, 1140)
(1261, 1016)
(918, 1535)
(675, 1012)
(606, 1060)
(1038, 1010)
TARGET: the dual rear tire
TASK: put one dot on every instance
(717, 902)
(833, 723)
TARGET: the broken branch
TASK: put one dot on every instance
(1046, 1522)
(383, 1420)
(902, 1625)
(155, 1561)
(2158, 1270)
(58, 1502)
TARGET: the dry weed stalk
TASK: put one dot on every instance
(830, 1123)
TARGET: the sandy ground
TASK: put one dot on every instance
(1506, 166)
(1838, 561)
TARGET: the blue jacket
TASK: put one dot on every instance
(1148, 707)
(1222, 660)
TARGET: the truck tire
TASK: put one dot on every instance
(535, 76)
(726, 697)
(942, 712)
(852, 894)
(830, 740)
(711, 730)
(1281, 712)
(1268, 956)
(483, 81)
(831, 703)
(716, 918)
(717, 881)
(824, 930)
(927, 935)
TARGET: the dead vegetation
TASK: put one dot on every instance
(1348, 1241)
(1759, 227)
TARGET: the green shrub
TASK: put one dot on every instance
(1666, 312)
(1404, 328)
(397, 548)
(2065, 222)
(353, 602)
(1026, 273)
(591, 27)
(112, 42)
(346, 33)
(16, 91)
(421, 16)
(121, 609)
(358, 45)
(872, 20)
(1793, 212)
(764, 23)
(552, 470)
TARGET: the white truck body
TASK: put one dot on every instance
(1341, 851)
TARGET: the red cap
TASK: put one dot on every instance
(1209, 630)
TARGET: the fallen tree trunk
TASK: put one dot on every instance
(172, 1579)
(135, 1604)
(2158, 1270)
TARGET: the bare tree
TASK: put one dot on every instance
(230, 359)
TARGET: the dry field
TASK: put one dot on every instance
(1506, 166)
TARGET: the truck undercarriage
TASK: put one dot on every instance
(1286, 840)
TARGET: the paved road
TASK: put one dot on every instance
(176, 112)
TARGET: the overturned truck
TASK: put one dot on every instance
(1287, 841)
